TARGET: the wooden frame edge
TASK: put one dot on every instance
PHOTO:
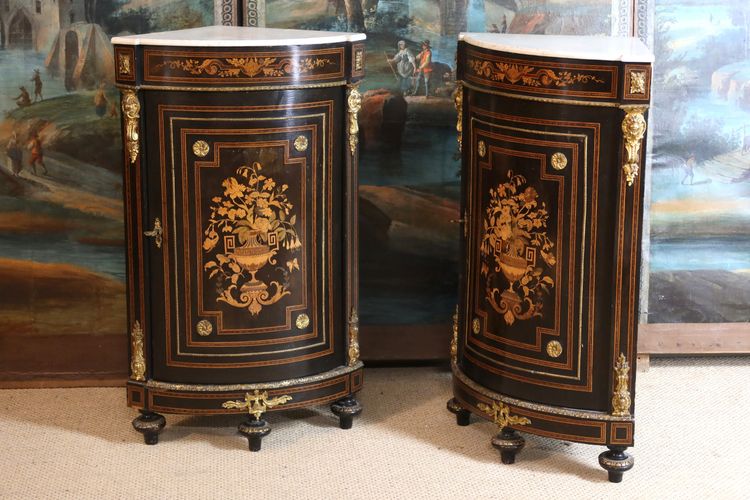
(694, 338)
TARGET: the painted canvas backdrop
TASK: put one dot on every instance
(409, 171)
(62, 262)
(700, 191)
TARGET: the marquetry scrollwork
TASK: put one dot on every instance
(137, 358)
(621, 398)
(131, 110)
(354, 104)
(633, 129)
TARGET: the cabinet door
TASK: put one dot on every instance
(531, 278)
(246, 186)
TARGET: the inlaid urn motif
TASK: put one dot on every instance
(256, 213)
(515, 244)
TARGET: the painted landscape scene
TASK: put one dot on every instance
(62, 262)
(409, 170)
(700, 211)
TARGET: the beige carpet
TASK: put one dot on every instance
(691, 442)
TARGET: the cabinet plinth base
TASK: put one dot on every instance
(508, 442)
(346, 409)
(463, 416)
(254, 430)
(616, 462)
(149, 424)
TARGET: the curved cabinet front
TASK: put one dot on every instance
(248, 277)
(545, 331)
(240, 193)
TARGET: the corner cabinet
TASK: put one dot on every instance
(240, 154)
(552, 131)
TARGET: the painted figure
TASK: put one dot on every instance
(424, 68)
(15, 155)
(405, 66)
(23, 99)
(100, 102)
(689, 168)
(37, 79)
(37, 153)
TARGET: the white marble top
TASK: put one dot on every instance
(237, 36)
(597, 48)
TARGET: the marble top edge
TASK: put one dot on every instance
(237, 36)
(598, 48)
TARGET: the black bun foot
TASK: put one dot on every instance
(616, 462)
(463, 416)
(149, 424)
(508, 442)
(254, 431)
(346, 409)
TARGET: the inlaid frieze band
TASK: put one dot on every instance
(543, 78)
(247, 67)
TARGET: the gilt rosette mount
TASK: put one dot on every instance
(516, 253)
(256, 210)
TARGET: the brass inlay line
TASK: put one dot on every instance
(174, 212)
(243, 88)
(553, 410)
(336, 372)
(257, 403)
(548, 100)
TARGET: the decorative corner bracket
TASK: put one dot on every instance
(458, 101)
(633, 129)
(353, 337)
(257, 403)
(500, 414)
(131, 110)
(354, 104)
(621, 397)
(137, 359)
(454, 339)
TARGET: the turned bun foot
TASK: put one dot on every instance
(346, 409)
(254, 431)
(616, 462)
(463, 416)
(508, 442)
(149, 424)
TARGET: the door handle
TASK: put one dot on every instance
(155, 233)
